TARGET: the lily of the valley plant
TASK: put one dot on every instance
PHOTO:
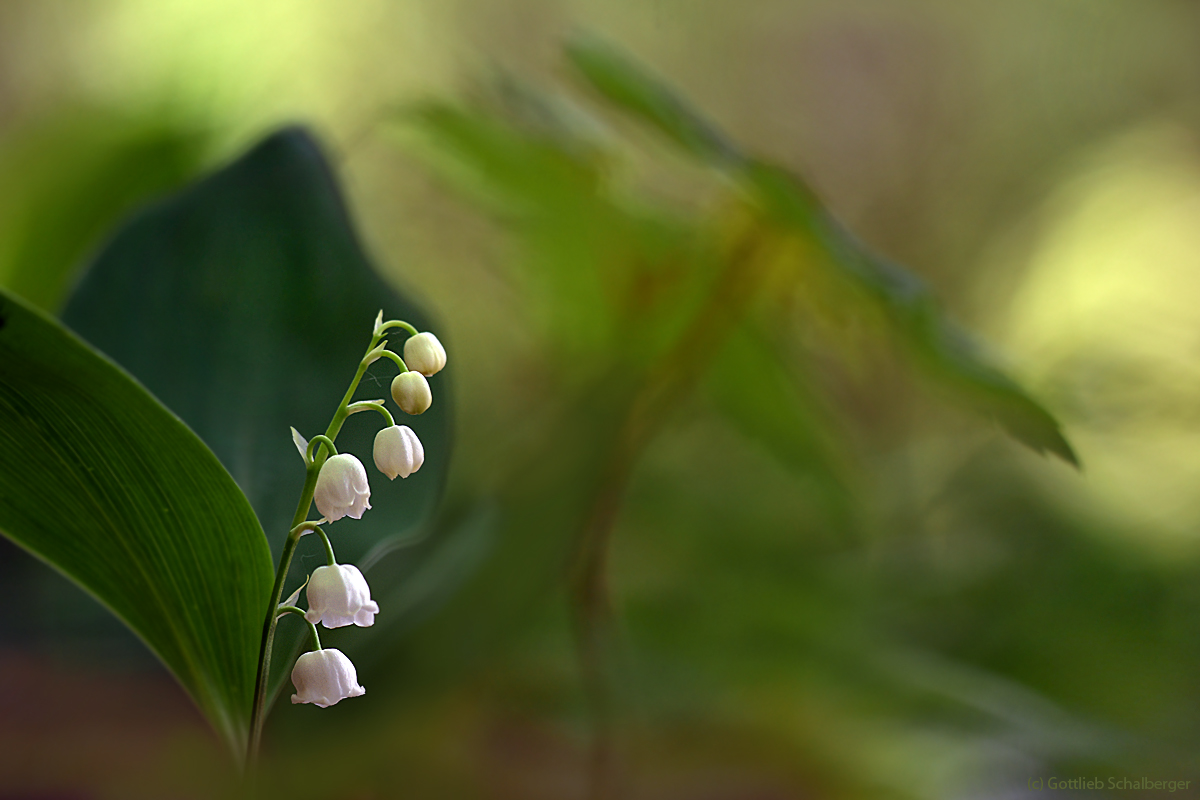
(338, 594)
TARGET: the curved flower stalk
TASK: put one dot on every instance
(338, 594)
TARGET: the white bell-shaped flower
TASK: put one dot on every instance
(411, 392)
(339, 596)
(325, 677)
(425, 354)
(342, 488)
(398, 451)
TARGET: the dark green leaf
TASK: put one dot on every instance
(106, 485)
(244, 303)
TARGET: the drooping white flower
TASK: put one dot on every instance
(339, 596)
(425, 354)
(398, 451)
(342, 488)
(324, 677)
(411, 392)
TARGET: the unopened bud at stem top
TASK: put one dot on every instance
(425, 354)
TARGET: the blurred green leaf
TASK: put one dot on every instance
(768, 405)
(67, 181)
(517, 173)
(107, 486)
(244, 303)
(942, 348)
(787, 200)
(629, 87)
(551, 194)
(530, 527)
(607, 277)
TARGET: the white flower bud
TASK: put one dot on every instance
(411, 392)
(425, 354)
(324, 677)
(342, 488)
(398, 451)
(339, 596)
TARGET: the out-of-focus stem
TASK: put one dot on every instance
(672, 377)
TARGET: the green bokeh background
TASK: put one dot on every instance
(828, 579)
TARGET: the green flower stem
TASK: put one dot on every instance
(300, 613)
(329, 557)
(316, 637)
(399, 361)
(258, 710)
(371, 405)
(319, 439)
(396, 323)
(304, 527)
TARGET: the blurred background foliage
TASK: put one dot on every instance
(823, 575)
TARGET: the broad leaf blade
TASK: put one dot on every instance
(114, 491)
